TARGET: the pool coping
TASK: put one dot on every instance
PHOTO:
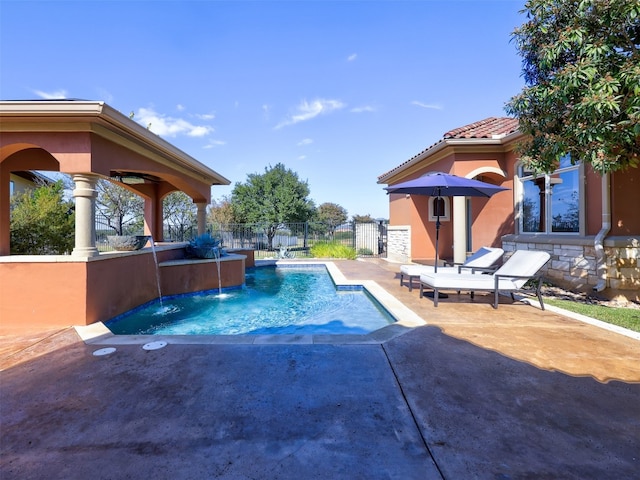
(406, 320)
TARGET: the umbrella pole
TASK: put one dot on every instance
(435, 268)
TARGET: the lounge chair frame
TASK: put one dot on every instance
(495, 289)
(448, 266)
(530, 262)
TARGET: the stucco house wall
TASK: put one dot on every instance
(485, 150)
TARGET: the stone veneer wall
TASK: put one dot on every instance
(573, 261)
(399, 243)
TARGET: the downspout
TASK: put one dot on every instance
(601, 259)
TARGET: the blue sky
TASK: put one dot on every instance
(340, 92)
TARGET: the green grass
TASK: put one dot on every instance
(623, 317)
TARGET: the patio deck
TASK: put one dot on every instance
(475, 393)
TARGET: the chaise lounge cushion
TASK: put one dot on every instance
(484, 258)
(522, 266)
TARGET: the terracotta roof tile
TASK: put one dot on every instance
(492, 127)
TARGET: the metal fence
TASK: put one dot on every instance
(104, 230)
(290, 239)
(296, 239)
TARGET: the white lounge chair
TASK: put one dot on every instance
(523, 265)
(485, 259)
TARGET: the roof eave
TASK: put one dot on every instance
(103, 113)
(442, 145)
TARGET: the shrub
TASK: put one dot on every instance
(42, 222)
(332, 250)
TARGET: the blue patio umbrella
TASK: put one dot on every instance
(439, 184)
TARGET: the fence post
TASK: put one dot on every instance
(306, 234)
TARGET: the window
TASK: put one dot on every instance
(439, 206)
(550, 203)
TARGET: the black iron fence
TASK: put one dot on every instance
(296, 239)
(105, 230)
(290, 239)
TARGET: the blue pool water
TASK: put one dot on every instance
(294, 300)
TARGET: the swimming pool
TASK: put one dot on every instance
(275, 300)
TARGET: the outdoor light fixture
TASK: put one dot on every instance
(133, 178)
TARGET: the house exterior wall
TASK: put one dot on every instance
(20, 185)
(625, 202)
(574, 263)
(413, 210)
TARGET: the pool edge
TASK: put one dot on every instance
(406, 320)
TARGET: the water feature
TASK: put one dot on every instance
(293, 300)
(155, 259)
(218, 254)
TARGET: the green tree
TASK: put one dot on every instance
(581, 66)
(332, 215)
(120, 207)
(363, 218)
(180, 215)
(42, 221)
(272, 199)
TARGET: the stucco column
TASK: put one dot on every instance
(85, 195)
(202, 217)
(459, 229)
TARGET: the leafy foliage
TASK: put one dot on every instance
(331, 215)
(120, 207)
(274, 198)
(180, 215)
(42, 222)
(221, 211)
(581, 65)
(332, 250)
(363, 218)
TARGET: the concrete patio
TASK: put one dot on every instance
(479, 393)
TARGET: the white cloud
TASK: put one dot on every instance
(352, 57)
(214, 143)
(309, 110)
(302, 157)
(168, 126)
(305, 141)
(180, 107)
(55, 95)
(427, 105)
(205, 116)
(365, 108)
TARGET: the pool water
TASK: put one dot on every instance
(274, 300)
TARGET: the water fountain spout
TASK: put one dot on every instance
(155, 259)
(217, 254)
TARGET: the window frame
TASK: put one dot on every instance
(519, 181)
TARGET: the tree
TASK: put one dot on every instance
(272, 199)
(327, 217)
(331, 214)
(180, 215)
(42, 221)
(363, 218)
(581, 66)
(120, 207)
(221, 211)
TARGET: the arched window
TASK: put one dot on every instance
(550, 203)
(439, 206)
